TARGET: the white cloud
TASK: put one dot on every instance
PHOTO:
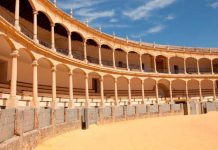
(214, 5)
(152, 30)
(156, 29)
(113, 20)
(170, 17)
(91, 14)
(146, 10)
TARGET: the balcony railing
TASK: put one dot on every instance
(62, 51)
(107, 63)
(205, 70)
(134, 67)
(93, 60)
(179, 71)
(162, 70)
(192, 70)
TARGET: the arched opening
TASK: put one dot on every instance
(150, 93)
(45, 81)
(107, 55)
(136, 90)
(122, 87)
(92, 51)
(7, 10)
(177, 65)
(178, 90)
(163, 90)
(147, 63)
(61, 39)
(215, 66)
(161, 64)
(62, 84)
(43, 29)
(207, 90)
(109, 89)
(77, 44)
(79, 86)
(193, 89)
(95, 88)
(134, 61)
(24, 78)
(120, 58)
(191, 65)
(205, 65)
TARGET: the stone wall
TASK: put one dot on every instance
(25, 128)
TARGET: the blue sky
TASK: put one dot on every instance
(169, 22)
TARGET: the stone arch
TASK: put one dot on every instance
(163, 88)
(147, 62)
(191, 65)
(177, 65)
(122, 88)
(178, 89)
(207, 89)
(120, 58)
(161, 64)
(107, 55)
(9, 41)
(204, 65)
(134, 60)
(150, 93)
(92, 50)
(193, 89)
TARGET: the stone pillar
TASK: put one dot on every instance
(212, 71)
(214, 90)
(52, 37)
(12, 102)
(186, 90)
(127, 61)
(35, 38)
(99, 56)
(87, 103)
(115, 92)
(157, 94)
(69, 45)
(143, 92)
(200, 91)
(102, 91)
(140, 61)
(71, 101)
(54, 103)
(129, 92)
(168, 65)
(171, 92)
(155, 65)
(185, 67)
(17, 15)
(114, 61)
(198, 67)
(85, 52)
(35, 102)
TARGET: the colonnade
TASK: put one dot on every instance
(13, 95)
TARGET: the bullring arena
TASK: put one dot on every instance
(58, 74)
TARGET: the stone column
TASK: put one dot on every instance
(102, 91)
(114, 61)
(85, 52)
(168, 65)
(214, 90)
(212, 71)
(171, 92)
(198, 67)
(143, 92)
(87, 103)
(52, 37)
(157, 94)
(129, 92)
(127, 61)
(35, 102)
(186, 90)
(35, 38)
(69, 45)
(185, 67)
(13, 102)
(115, 92)
(54, 103)
(17, 15)
(200, 91)
(140, 61)
(99, 55)
(71, 101)
(155, 65)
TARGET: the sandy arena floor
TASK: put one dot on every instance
(167, 133)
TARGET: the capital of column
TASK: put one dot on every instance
(69, 33)
(35, 63)
(35, 12)
(70, 73)
(53, 69)
(86, 76)
(52, 25)
(115, 80)
(15, 53)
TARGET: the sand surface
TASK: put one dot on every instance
(166, 133)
